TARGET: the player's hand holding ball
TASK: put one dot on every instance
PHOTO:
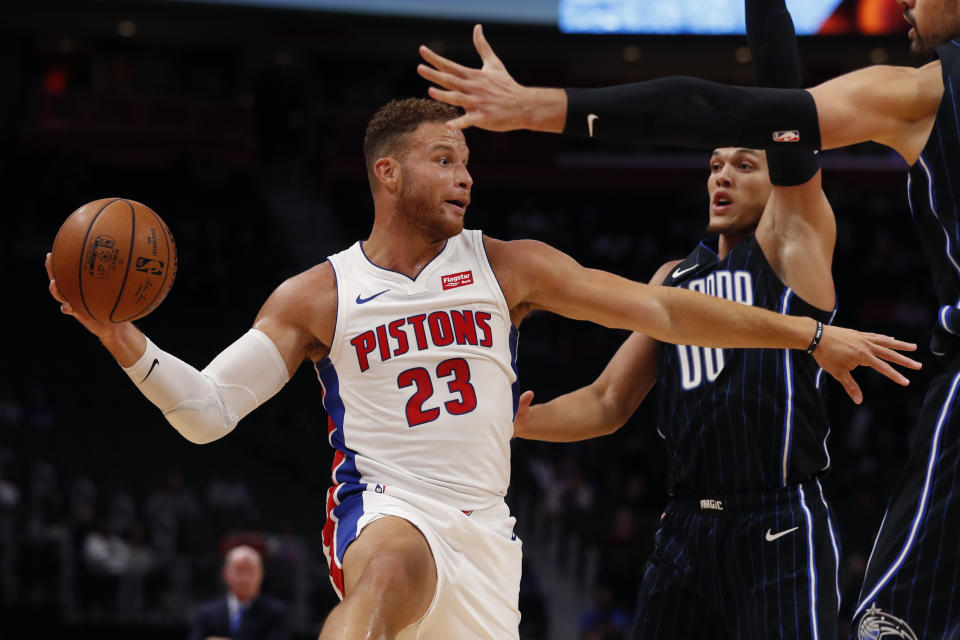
(113, 261)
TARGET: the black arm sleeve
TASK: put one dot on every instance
(773, 44)
(689, 112)
(776, 63)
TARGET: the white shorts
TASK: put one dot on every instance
(478, 560)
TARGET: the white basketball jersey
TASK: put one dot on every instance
(420, 383)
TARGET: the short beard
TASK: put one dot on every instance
(925, 45)
(415, 210)
(948, 27)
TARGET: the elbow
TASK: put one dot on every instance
(201, 426)
(615, 409)
(198, 438)
(613, 425)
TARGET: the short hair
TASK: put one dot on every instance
(396, 119)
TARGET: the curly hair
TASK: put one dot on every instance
(396, 119)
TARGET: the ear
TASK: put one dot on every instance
(388, 173)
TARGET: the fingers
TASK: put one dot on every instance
(65, 307)
(443, 64)
(463, 122)
(884, 368)
(896, 357)
(890, 342)
(55, 292)
(483, 47)
(446, 80)
(52, 287)
(851, 387)
(450, 97)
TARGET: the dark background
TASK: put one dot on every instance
(242, 129)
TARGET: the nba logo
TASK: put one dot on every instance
(381, 488)
(786, 136)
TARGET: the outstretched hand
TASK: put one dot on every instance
(843, 350)
(490, 97)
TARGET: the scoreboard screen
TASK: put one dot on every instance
(726, 17)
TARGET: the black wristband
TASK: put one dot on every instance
(816, 338)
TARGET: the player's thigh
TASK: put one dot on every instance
(667, 609)
(392, 558)
(780, 571)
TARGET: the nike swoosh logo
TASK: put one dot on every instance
(155, 363)
(770, 537)
(679, 272)
(591, 118)
(366, 300)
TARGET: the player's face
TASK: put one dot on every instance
(435, 184)
(932, 22)
(739, 187)
(243, 574)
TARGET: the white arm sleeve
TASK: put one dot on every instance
(206, 405)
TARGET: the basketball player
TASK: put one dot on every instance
(745, 548)
(413, 335)
(911, 585)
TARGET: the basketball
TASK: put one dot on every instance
(115, 259)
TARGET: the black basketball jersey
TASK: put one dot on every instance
(932, 189)
(740, 419)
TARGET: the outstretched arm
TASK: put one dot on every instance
(891, 105)
(536, 276)
(602, 407)
(895, 106)
(206, 405)
(598, 409)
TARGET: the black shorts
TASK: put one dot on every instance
(912, 585)
(753, 566)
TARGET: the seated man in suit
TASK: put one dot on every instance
(243, 614)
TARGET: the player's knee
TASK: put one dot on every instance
(397, 573)
(403, 589)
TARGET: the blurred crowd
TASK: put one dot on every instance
(250, 152)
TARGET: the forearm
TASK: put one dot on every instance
(574, 416)
(689, 112)
(206, 405)
(687, 317)
(776, 63)
(671, 314)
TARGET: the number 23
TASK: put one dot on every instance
(421, 379)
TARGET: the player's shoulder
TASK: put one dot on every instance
(306, 294)
(305, 303)
(525, 261)
(516, 252)
(929, 79)
(922, 86)
(319, 282)
(511, 246)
